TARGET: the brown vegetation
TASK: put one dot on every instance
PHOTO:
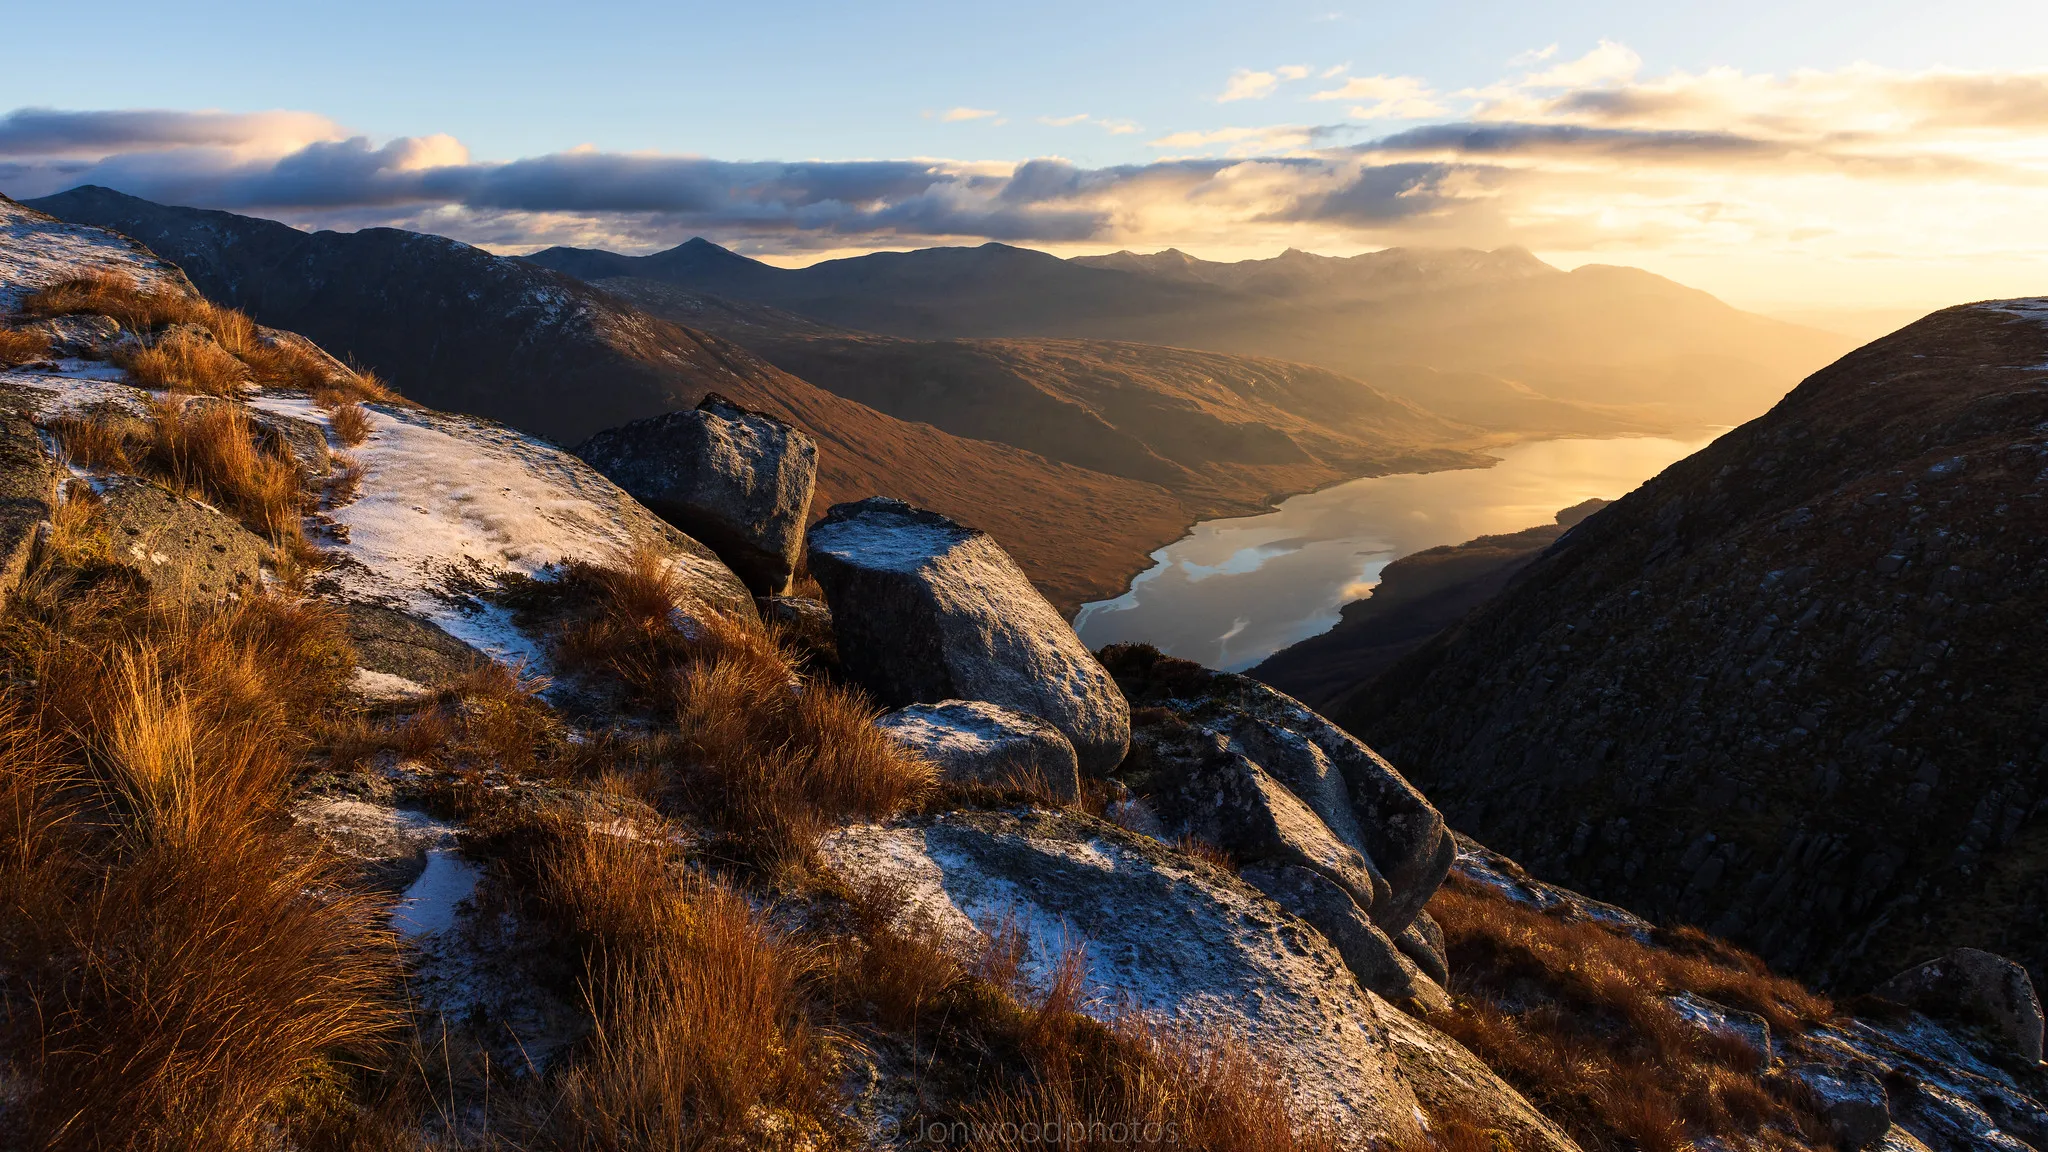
(1576, 1014)
(701, 1038)
(767, 757)
(174, 958)
(350, 423)
(207, 449)
(21, 345)
(186, 360)
(273, 360)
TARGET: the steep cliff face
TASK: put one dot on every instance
(1790, 689)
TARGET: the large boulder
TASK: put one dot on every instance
(738, 480)
(1360, 797)
(1970, 986)
(1161, 933)
(1201, 785)
(926, 610)
(973, 741)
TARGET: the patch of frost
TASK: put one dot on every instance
(430, 904)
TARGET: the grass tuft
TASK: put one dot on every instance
(174, 958)
(21, 346)
(186, 360)
(350, 423)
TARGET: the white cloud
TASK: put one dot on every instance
(1609, 63)
(1245, 84)
(956, 115)
(1241, 141)
(1392, 98)
(1532, 56)
(1113, 127)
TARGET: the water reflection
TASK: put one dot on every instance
(1234, 591)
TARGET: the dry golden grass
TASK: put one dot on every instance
(106, 440)
(1575, 1015)
(20, 346)
(116, 295)
(174, 959)
(702, 1039)
(212, 451)
(273, 361)
(350, 424)
(768, 758)
(184, 360)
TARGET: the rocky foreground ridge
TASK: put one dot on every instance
(384, 777)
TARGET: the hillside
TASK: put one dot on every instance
(457, 328)
(1223, 433)
(1418, 595)
(1613, 338)
(1790, 689)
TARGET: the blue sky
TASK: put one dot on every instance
(1117, 93)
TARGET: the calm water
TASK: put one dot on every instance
(1234, 591)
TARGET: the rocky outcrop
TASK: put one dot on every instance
(183, 548)
(28, 485)
(1790, 689)
(1359, 797)
(738, 480)
(1972, 987)
(1376, 961)
(926, 609)
(973, 741)
(389, 642)
(1160, 932)
(1450, 1080)
(1201, 786)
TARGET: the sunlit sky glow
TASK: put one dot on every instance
(1783, 155)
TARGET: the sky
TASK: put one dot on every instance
(1784, 155)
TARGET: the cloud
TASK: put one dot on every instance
(1245, 84)
(1606, 64)
(1113, 127)
(1532, 56)
(1813, 169)
(956, 115)
(1240, 141)
(52, 132)
(1391, 98)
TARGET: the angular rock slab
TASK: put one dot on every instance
(738, 480)
(1201, 785)
(1162, 934)
(1972, 986)
(1375, 960)
(1363, 799)
(926, 609)
(973, 741)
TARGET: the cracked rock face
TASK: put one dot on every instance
(926, 609)
(738, 480)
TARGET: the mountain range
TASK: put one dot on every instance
(1624, 347)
